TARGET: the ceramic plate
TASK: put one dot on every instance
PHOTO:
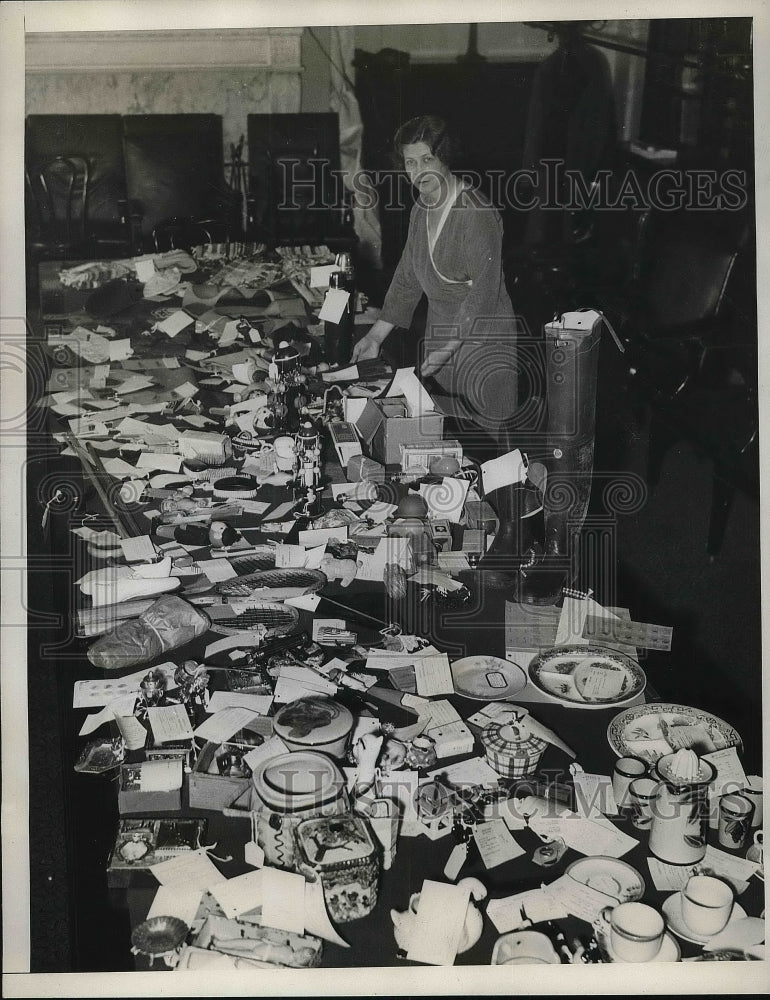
(609, 875)
(487, 678)
(672, 911)
(651, 731)
(669, 950)
(587, 676)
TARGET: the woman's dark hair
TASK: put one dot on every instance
(431, 130)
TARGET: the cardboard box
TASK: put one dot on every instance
(385, 425)
(208, 789)
(137, 791)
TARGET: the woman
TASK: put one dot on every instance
(453, 256)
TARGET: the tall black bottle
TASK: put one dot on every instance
(339, 336)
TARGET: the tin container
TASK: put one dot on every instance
(288, 789)
(314, 723)
(512, 750)
(340, 851)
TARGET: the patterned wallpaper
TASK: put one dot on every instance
(231, 93)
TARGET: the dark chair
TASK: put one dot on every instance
(295, 190)
(175, 168)
(58, 198)
(691, 334)
(111, 218)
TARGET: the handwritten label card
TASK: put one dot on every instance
(433, 675)
(495, 843)
(169, 722)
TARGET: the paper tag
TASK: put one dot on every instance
(593, 794)
(334, 305)
(456, 860)
(433, 675)
(169, 722)
(192, 869)
(132, 731)
(216, 570)
(439, 923)
(503, 471)
(175, 323)
(139, 548)
(495, 843)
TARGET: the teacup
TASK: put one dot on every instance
(707, 903)
(636, 932)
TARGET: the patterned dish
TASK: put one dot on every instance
(652, 731)
(587, 676)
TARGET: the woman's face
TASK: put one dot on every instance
(426, 171)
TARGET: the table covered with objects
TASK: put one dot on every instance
(330, 742)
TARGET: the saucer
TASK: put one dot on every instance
(672, 910)
(669, 951)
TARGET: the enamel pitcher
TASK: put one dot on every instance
(680, 812)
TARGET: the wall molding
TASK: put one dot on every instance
(277, 49)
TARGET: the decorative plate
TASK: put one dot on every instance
(587, 676)
(608, 875)
(487, 678)
(652, 731)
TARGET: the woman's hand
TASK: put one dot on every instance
(366, 349)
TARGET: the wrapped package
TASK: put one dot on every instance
(167, 624)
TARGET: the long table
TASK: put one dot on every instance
(474, 628)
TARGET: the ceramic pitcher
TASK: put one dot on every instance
(680, 814)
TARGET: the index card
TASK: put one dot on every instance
(220, 727)
(131, 729)
(433, 675)
(190, 870)
(334, 305)
(439, 923)
(160, 775)
(283, 900)
(320, 536)
(169, 722)
(258, 704)
(512, 912)
(503, 471)
(176, 901)
(405, 383)
(593, 794)
(475, 771)
(145, 269)
(155, 460)
(287, 556)
(730, 775)
(578, 899)
(273, 747)
(133, 384)
(140, 548)
(120, 350)
(668, 877)
(216, 570)
(241, 893)
(319, 276)
(495, 843)
(175, 323)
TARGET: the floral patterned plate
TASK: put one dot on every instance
(587, 676)
(654, 730)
